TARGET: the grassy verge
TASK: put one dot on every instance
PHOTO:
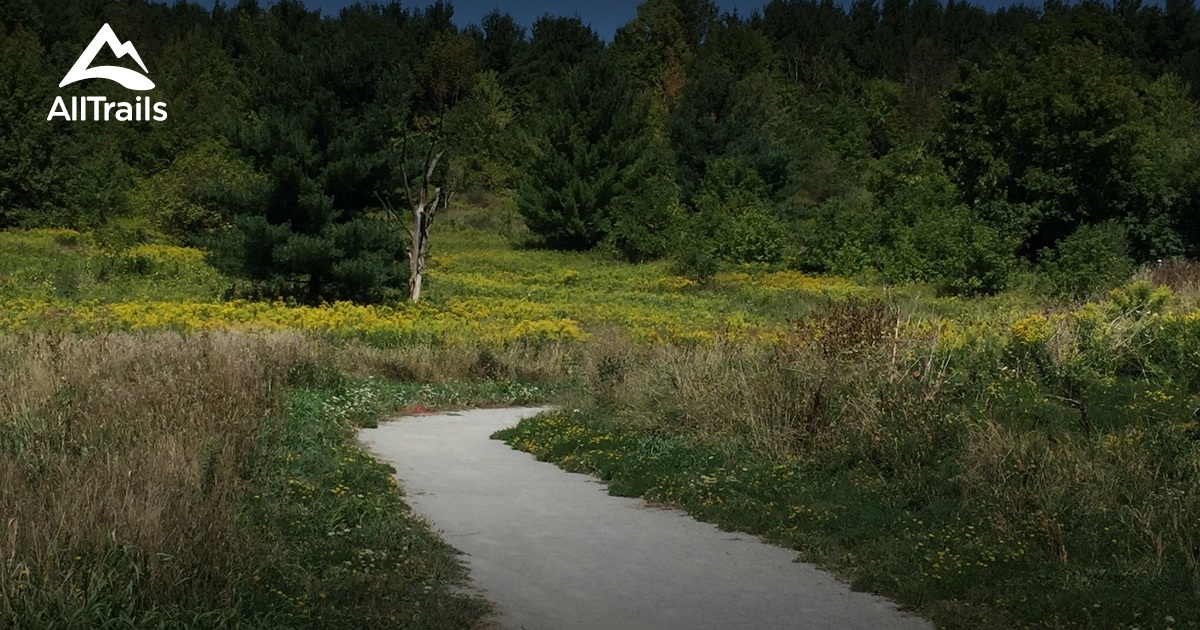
(1046, 476)
(945, 562)
(214, 480)
(337, 545)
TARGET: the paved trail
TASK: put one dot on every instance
(554, 551)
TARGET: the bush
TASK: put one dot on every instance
(182, 200)
(599, 173)
(357, 260)
(733, 222)
(1094, 258)
(913, 227)
(642, 223)
(949, 247)
(756, 236)
(695, 258)
(837, 235)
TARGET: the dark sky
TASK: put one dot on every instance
(604, 15)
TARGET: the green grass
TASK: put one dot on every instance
(345, 550)
(911, 537)
(362, 401)
(596, 289)
(339, 545)
(64, 265)
(985, 468)
(479, 275)
(1047, 477)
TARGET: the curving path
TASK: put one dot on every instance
(554, 551)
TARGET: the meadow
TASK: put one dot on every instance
(993, 462)
(480, 290)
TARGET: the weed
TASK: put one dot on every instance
(212, 480)
(1046, 476)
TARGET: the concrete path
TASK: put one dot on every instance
(554, 551)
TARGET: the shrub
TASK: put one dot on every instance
(732, 221)
(756, 236)
(642, 223)
(182, 200)
(913, 227)
(695, 258)
(354, 260)
(1092, 259)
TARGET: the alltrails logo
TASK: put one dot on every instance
(142, 109)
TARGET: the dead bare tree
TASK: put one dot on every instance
(424, 199)
(450, 71)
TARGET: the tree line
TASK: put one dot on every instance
(908, 140)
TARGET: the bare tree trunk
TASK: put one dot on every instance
(425, 202)
(416, 255)
(414, 289)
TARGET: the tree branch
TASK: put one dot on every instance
(404, 169)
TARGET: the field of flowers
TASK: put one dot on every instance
(479, 290)
(482, 291)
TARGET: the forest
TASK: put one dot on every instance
(900, 142)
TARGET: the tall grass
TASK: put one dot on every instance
(122, 460)
(1047, 474)
(213, 480)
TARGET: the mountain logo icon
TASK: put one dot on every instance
(131, 79)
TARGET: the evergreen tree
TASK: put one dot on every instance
(599, 173)
(321, 137)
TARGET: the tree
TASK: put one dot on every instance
(500, 43)
(557, 45)
(188, 201)
(1044, 138)
(909, 224)
(27, 174)
(926, 233)
(653, 51)
(448, 72)
(598, 171)
(1092, 259)
(322, 96)
(1163, 225)
(52, 173)
(485, 136)
(424, 198)
(732, 222)
(734, 105)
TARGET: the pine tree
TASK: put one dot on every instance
(599, 172)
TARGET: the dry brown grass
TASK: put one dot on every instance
(145, 479)
(993, 480)
(839, 378)
(1181, 276)
(1029, 478)
(440, 363)
(126, 451)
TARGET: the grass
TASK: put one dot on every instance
(1047, 476)
(211, 480)
(69, 266)
(998, 462)
(479, 289)
(338, 545)
(932, 555)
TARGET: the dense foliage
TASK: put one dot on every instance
(913, 140)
